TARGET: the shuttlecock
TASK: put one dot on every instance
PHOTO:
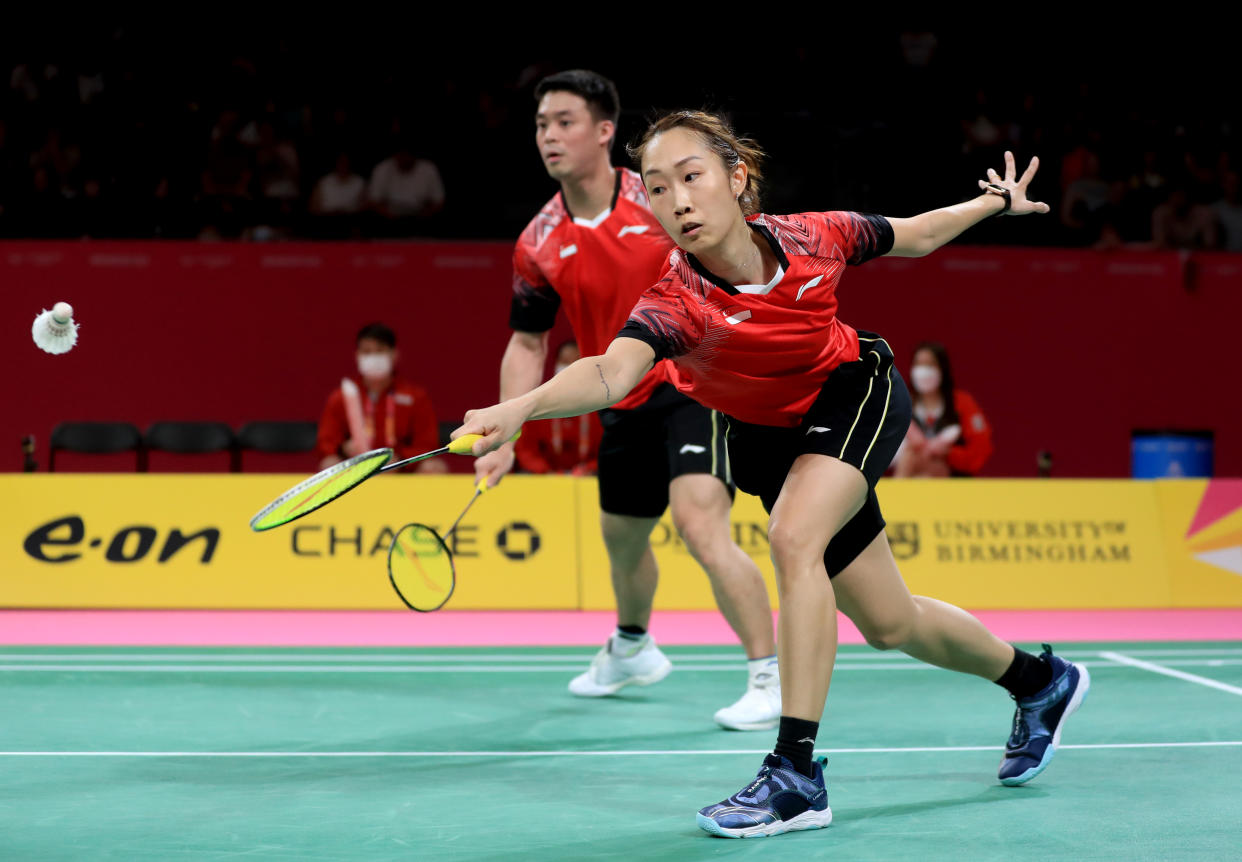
(55, 331)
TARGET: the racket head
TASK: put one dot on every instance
(420, 567)
(319, 490)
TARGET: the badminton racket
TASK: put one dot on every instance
(420, 564)
(329, 484)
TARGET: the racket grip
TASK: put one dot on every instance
(463, 444)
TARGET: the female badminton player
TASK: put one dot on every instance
(747, 310)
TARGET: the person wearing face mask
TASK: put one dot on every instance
(948, 435)
(569, 445)
(374, 408)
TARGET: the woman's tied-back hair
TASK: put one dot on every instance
(721, 139)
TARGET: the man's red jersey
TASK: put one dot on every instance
(597, 269)
(761, 353)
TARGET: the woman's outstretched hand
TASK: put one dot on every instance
(1019, 204)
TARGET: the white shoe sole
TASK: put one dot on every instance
(604, 690)
(805, 820)
(747, 725)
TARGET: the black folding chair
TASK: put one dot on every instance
(278, 437)
(194, 438)
(96, 438)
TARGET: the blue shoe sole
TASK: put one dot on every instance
(1076, 700)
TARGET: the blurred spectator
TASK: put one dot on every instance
(1228, 212)
(1121, 222)
(568, 445)
(337, 200)
(948, 435)
(1179, 223)
(1083, 201)
(374, 408)
(276, 176)
(225, 184)
(404, 190)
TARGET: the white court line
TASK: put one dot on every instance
(350, 655)
(358, 657)
(946, 749)
(1168, 671)
(42, 666)
(384, 668)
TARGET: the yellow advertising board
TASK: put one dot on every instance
(1202, 530)
(683, 585)
(996, 544)
(183, 541)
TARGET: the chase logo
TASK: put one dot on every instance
(1215, 532)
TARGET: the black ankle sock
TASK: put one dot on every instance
(635, 632)
(796, 741)
(1026, 675)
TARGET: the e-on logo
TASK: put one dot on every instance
(128, 545)
(518, 541)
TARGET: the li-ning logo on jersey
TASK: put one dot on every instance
(633, 228)
(816, 280)
(567, 250)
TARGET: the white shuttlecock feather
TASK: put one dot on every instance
(55, 331)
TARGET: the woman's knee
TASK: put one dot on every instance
(892, 632)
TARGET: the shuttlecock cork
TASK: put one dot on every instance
(54, 331)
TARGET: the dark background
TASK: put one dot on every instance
(108, 124)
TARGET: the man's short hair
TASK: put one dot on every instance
(599, 92)
(378, 332)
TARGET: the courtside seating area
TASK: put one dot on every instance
(181, 438)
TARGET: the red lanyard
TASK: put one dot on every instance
(390, 422)
(584, 437)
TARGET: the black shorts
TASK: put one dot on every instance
(861, 416)
(644, 449)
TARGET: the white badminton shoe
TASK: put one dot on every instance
(760, 707)
(621, 662)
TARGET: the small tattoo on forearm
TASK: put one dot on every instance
(607, 389)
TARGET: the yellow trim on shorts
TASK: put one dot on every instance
(712, 443)
(861, 405)
(888, 399)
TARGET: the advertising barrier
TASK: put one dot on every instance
(183, 541)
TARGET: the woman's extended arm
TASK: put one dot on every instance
(589, 384)
(923, 234)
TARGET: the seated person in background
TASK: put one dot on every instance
(374, 409)
(948, 435)
(568, 445)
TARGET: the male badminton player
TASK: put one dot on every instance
(747, 309)
(593, 249)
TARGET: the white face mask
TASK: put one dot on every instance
(375, 365)
(925, 378)
(560, 366)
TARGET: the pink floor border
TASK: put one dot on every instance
(538, 628)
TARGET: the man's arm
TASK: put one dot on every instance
(923, 234)
(521, 370)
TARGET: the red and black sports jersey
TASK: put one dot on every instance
(596, 269)
(760, 353)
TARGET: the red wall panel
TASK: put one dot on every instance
(1066, 351)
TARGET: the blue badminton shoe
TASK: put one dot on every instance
(1038, 721)
(780, 799)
